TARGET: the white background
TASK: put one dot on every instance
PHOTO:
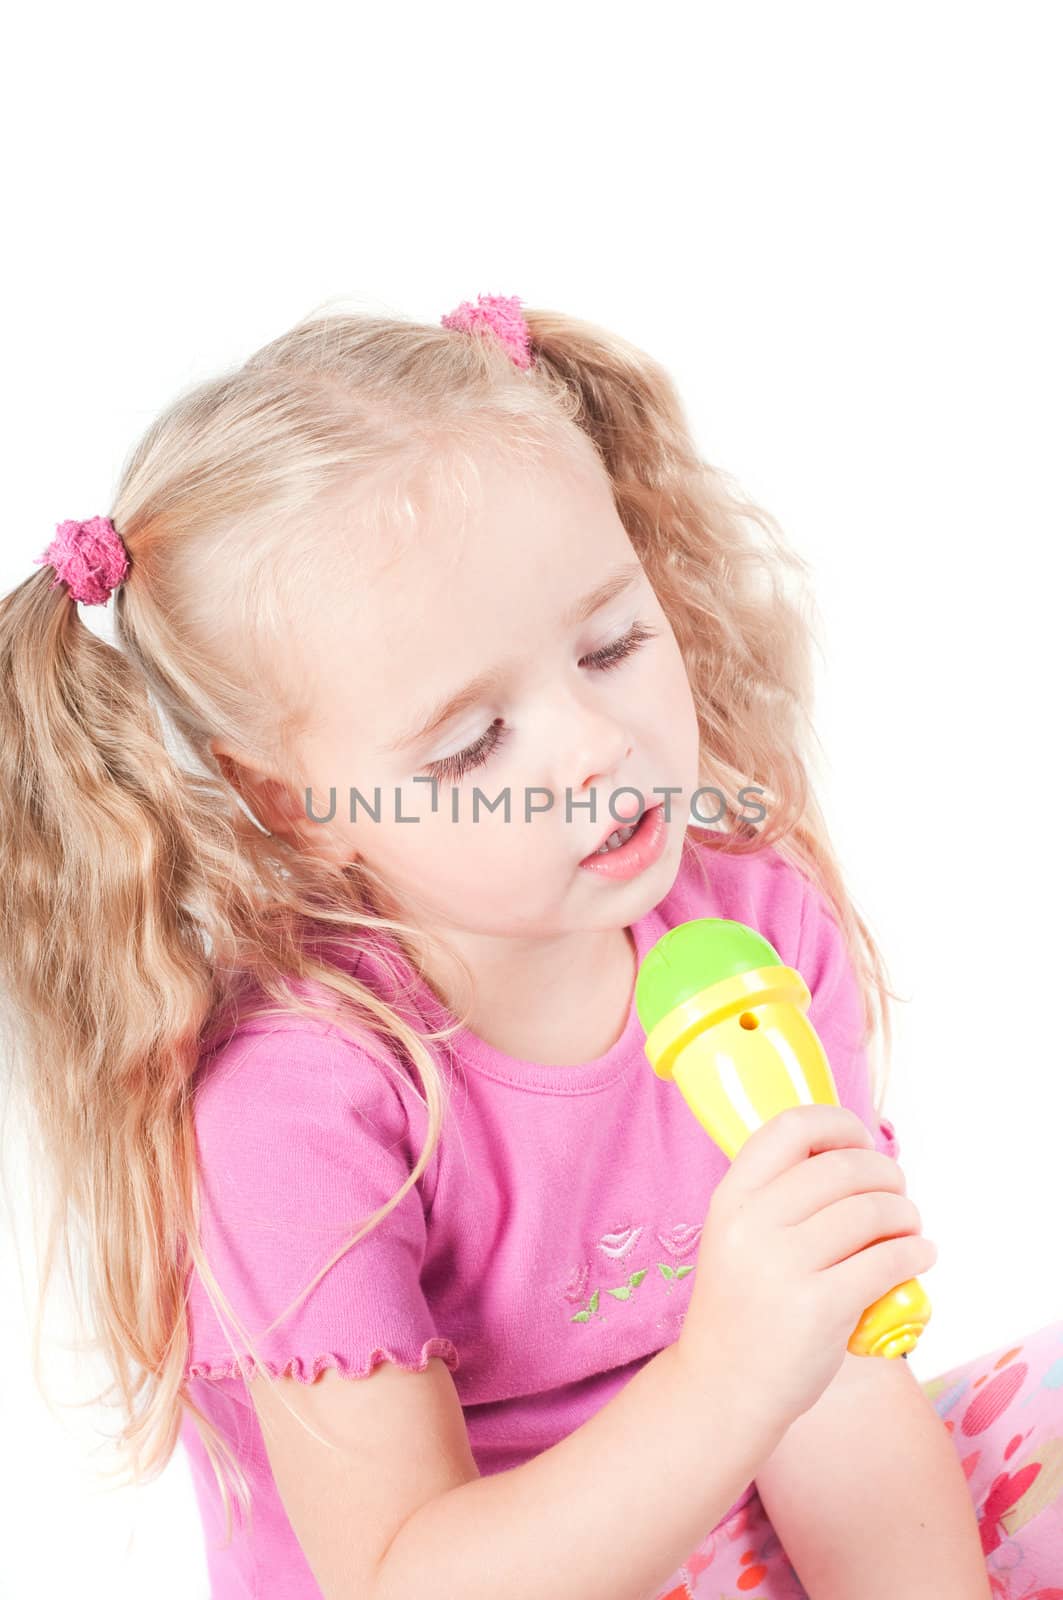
(836, 226)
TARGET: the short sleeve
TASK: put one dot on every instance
(837, 1014)
(301, 1134)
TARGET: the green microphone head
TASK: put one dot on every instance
(690, 957)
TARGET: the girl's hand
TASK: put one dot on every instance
(809, 1226)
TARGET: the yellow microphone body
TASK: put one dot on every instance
(736, 1040)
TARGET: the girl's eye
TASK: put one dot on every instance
(456, 766)
(476, 755)
(620, 649)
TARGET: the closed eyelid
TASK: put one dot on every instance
(605, 658)
(494, 685)
(617, 584)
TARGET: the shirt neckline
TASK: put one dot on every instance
(581, 1078)
(473, 1052)
(468, 1049)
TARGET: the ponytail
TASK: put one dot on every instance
(103, 970)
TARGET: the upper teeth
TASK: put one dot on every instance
(615, 840)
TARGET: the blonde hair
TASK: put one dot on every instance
(143, 908)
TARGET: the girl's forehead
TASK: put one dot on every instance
(526, 527)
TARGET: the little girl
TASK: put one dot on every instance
(448, 678)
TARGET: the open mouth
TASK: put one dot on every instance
(631, 848)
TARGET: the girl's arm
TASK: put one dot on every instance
(608, 1513)
(867, 1494)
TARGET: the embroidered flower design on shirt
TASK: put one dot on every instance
(678, 1240)
(619, 1244)
(579, 1277)
(623, 1291)
(682, 1239)
(670, 1273)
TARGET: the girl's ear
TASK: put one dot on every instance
(278, 809)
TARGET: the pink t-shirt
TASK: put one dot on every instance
(545, 1254)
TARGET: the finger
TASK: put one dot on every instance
(856, 1223)
(871, 1273)
(791, 1136)
(812, 1185)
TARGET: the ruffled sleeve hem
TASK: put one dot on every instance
(308, 1370)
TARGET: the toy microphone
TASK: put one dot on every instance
(726, 1020)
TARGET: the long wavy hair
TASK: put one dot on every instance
(143, 907)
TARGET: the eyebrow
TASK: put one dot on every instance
(480, 687)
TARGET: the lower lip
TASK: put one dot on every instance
(645, 846)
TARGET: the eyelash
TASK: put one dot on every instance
(476, 755)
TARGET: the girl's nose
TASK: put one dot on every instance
(597, 761)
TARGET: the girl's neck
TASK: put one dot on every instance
(559, 1003)
(564, 1004)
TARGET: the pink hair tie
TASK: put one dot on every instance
(500, 314)
(89, 557)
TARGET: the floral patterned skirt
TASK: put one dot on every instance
(1004, 1414)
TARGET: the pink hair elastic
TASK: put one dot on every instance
(502, 315)
(89, 557)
